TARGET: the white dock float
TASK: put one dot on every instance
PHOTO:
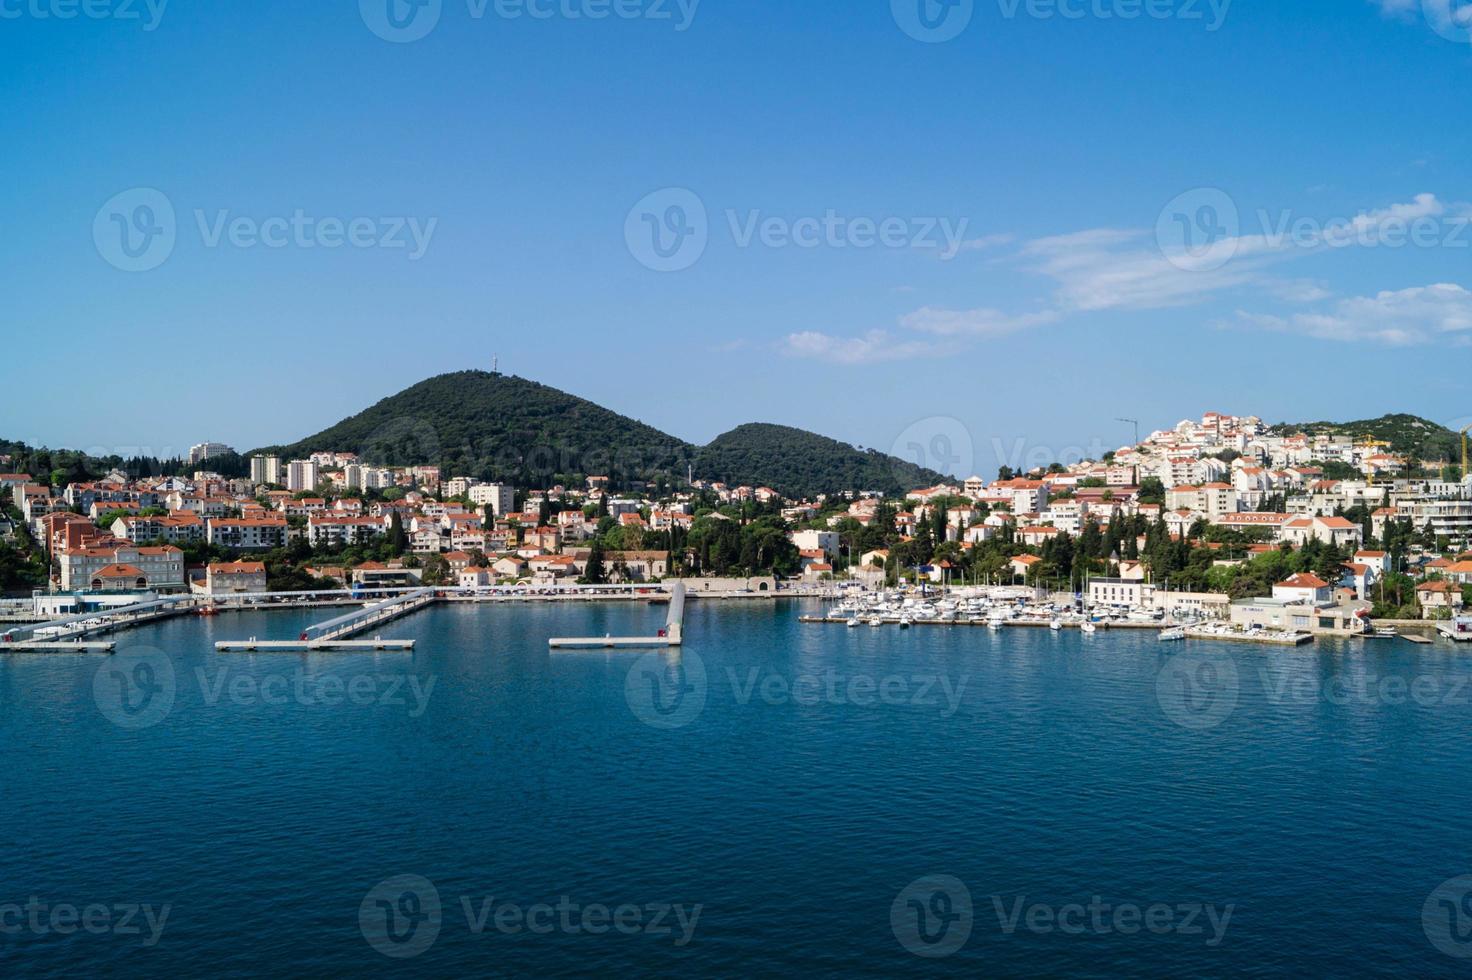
(671, 636)
(285, 646)
(56, 646)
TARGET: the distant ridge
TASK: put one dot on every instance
(495, 426)
(1407, 434)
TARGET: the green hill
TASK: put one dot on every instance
(498, 427)
(1407, 434)
(801, 464)
(494, 426)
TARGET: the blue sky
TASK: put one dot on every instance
(1035, 176)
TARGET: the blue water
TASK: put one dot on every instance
(1059, 767)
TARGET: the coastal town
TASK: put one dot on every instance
(1220, 519)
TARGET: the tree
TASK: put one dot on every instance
(398, 540)
(593, 572)
(1152, 491)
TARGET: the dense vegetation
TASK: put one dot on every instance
(496, 427)
(1407, 434)
(58, 467)
(801, 464)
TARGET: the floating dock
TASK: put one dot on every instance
(891, 620)
(334, 633)
(1246, 636)
(290, 646)
(671, 636)
(57, 646)
(1416, 638)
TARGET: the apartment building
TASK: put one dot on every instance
(114, 567)
(248, 533)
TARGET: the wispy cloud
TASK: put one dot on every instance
(944, 332)
(1107, 269)
(874, 347)
(1408, 316)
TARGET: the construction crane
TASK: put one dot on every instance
(1465, 471)
(1370, 444)
(1136, 424)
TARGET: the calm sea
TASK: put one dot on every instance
(778, 799)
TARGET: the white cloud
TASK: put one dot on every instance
(1410, 316)
(945, 330)
(874, 347)
(974, 323)
(1300, 291)
(1398, 8)
(1117, 269)
(1109, 269)
(986, 241)
(1102, 269)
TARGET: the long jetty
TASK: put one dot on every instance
(336, 633)
(671, 636)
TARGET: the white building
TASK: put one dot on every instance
(301, 475)
(825, 541)
(265, 469)
(339, 531)
(248, 533)
(207, 450)
(230, 578)
(122, 567)
(500, 497)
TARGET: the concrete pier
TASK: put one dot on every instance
(672, 635)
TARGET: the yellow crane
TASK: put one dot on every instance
(1370, 444)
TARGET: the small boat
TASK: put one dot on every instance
(1173, 634)
(876, 622)
(853, 622)
(1089, 627)
(1055, 625)
(904, 622)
